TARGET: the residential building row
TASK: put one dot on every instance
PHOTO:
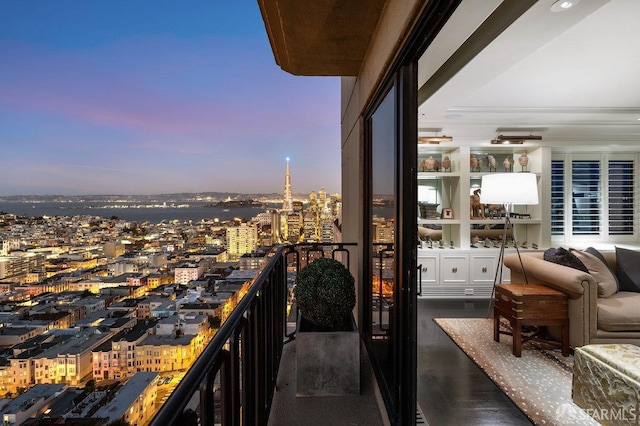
(134, 402)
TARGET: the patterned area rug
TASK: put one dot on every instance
(539, 382)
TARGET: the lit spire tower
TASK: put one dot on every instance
(287, 199)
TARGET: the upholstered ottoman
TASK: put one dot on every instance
(606, 382)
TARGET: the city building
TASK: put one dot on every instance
(294, 227)
(241, 239)
(212, 307)
(113, 250)
(262, 219)
(193, 324)
(68, 362)
(328, 231)
(134, 403)
(115, 358)
(30, 403)
(310, 226)
(19, 263)
(188, 272)
(165, 353)
(61, 356)
(298, 206)
(4, 247)
(251, 260)
(123, 267)
(287, 196)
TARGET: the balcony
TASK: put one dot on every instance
(246, 375)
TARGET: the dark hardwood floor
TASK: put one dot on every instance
(452, 390)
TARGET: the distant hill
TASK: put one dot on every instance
(176, 197)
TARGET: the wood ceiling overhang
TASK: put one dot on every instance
(320, 37)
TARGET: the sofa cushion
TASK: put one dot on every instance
(619, 312)
(628, 262)
(607, 285)
(563, 257)
(600, 256)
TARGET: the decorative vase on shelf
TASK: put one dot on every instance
(507, 164)
(474, 163)
(524, 161)
(430, 164)
(491, 163)
(428, 210)
(446, 163)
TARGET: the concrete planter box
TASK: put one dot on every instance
(327, 363)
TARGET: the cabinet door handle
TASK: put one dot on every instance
(484, 269)
(454, 270)
(425, 269)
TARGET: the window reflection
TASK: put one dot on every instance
(383, 223)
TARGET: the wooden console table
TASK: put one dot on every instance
(530, 305)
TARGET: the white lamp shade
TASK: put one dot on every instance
(509, 188)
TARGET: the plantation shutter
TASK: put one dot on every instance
(621, 197)
(557, 197)
(585, 209)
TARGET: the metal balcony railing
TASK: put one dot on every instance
(234, 379)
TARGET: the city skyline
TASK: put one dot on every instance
(119, 98)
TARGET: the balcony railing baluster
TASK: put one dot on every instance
(236, 373)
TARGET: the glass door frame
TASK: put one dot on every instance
(399, 395)
(400, 399)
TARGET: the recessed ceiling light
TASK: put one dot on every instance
(562, 5)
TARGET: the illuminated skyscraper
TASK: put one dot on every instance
(322, 199)
(287, 199)
(241, 239)
(313, 202)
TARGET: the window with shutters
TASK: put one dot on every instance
(593, 195)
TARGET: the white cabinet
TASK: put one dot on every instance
(451, 274)
(483, 268)
(454, 268)
(428, 264)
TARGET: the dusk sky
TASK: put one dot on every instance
(149, 97)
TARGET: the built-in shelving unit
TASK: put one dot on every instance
(461, 266)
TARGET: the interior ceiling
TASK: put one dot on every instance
(572, 77)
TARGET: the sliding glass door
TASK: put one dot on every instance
(391, 243)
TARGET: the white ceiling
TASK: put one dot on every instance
(572, 77)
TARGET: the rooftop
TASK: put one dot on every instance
(126, 395)
(36, 392)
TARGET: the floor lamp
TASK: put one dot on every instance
(508, 189)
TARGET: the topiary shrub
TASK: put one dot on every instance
(325, 293)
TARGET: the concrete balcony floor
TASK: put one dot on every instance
(288, 409)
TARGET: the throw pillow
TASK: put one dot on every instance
(628, 262)
(607, 285)
(596, 253)
(561, 256)
(599, 255)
